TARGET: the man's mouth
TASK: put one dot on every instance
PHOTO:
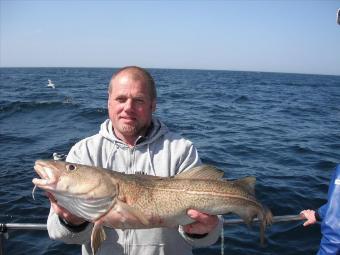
(128, 119)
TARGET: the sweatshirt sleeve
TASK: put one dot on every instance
(76, 154)
(322, 211)
(189, 158)
(59, 232)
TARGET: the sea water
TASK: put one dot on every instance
(284, 129)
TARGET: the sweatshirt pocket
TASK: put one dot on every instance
(156, 241)
(146, 249)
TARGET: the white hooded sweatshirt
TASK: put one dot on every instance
(160, 153)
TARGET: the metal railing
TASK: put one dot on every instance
(5, 227)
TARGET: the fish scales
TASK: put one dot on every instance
(199, 195)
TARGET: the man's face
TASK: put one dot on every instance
(130, 106)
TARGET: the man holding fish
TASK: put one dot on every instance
(133, 141)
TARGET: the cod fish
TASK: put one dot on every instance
(117, 200)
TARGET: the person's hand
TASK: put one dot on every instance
(63, 213)
(203, 224)
(309, 215)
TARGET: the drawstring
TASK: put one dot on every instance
(133, 167)
(110, 155)
(150, 161)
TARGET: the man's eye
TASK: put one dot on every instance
(139, 101)
(120, 99)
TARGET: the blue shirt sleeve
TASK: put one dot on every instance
(330, 212)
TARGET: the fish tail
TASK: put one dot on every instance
(266, 218)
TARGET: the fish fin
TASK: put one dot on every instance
(248, 183)
(201, 172)
(264, 215)
(147, 177)
(266, 219)
(247, 214)
(97, 237)
(129, 210)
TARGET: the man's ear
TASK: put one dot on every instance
(108, 100)
(153, 105)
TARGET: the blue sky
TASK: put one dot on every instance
(279, 36)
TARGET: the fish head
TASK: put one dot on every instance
(85, 191)
(71, 179)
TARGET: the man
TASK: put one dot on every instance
(329, 214)
(133, 141)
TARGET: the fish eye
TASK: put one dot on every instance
(71, 167)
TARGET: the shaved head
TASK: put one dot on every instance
(137, 74)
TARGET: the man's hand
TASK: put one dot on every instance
(203, 224)
(63, 213)
(309, 215)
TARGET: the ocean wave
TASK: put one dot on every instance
(9, 111)
(93, 112)
(12, 139)
(241, 99)
(19, 106)
(325, 165)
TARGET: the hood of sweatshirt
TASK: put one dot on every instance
(156, 130)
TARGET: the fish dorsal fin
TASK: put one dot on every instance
(201, 172)
(146, 176)
(248, 183)
(97, 237)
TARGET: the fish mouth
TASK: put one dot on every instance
(48, 173)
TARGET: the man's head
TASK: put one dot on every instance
(131, 102)
(138, 73)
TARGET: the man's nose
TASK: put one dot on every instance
(128, 106)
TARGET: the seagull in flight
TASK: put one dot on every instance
(50, 84)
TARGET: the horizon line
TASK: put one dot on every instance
(172, 68)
